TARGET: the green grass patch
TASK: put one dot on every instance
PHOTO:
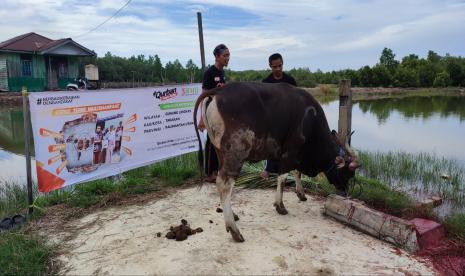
(455, 225)
(21, 254)
(174, 171)
(381, 196)
(427, 172)
(13, 197)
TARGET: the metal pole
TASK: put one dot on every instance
(26, 148)
(202, 49)
(345, 110)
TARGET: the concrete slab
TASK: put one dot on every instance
(389, 228)
(429, 233)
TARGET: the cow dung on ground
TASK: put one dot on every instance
(182, 231)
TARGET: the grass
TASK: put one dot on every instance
(455, 225)
(422, 171)
(22, 254)
(174, 171)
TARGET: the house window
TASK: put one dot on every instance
(26, 65)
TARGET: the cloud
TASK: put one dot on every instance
(308, 33)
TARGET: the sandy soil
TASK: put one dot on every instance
(123, 240)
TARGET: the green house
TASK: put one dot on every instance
(39, 63)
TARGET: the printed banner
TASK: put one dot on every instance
(82, 136)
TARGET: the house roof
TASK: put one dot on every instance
(35, 43)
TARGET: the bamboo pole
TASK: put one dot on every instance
(27, 152)
(345, 110)
(202, 49)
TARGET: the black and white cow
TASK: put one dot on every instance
(255, 121)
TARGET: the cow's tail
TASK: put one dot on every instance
(205, 94)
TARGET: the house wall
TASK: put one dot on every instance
(3, 74)
(37, 82)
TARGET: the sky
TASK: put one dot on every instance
(324, 34)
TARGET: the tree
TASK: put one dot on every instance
(381, 76)
(426, 74)
(442, 80)
(411, 61)
(388, 59)
(455, 72)
(366, 76)
(405, 77)
(433, 57)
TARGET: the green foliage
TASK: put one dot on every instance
(442, 80)
(174, 171)
(23, 255)
(13, 198)
(420, 172)
(387, 59)
(381, 196)
(455, 225)
(412, 71)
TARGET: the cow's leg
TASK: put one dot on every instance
(299, 189)
(225, 185)
(278, 203)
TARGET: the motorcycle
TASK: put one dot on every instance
(78, 84)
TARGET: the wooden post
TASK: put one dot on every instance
(202, 49)
(345, 110)
(27, 153)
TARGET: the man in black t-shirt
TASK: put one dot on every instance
(277, 75)
(212, 78)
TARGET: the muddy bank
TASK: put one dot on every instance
(124, 240)
(10, 99)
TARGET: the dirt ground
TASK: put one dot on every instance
(123, 240)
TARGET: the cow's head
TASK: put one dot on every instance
(344, 167)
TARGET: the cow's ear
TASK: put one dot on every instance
(335, 136)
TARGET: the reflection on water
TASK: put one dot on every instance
(416, 107)
(13, 168)
(412, 124)
(12, 161)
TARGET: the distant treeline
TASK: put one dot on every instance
(410, 71)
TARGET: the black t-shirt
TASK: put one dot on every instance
(285, 78)
(212, 78)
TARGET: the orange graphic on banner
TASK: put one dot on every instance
(85, 109)
(47, 181)
(62, 166)
(131, 119)
(57, 147)
(45, 132)
(127, 151)
(126, 138)
(132, 129)
(54, 159)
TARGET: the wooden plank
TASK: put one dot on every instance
(3, 75)
(345, 110)
(388, 228)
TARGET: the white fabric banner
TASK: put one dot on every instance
(82, 136)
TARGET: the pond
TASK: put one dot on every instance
(413, 124)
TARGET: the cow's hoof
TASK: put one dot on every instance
(237, 236)
(281, 209)
(236, 217)
(302, 197)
